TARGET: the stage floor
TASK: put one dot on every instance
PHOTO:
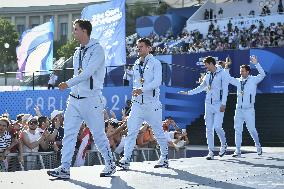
(250, 171)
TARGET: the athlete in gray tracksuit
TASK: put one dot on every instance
(86, 102)
(215, 84)
(246, 91)
(146, 106)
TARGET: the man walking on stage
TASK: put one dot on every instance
(146, 106)
(86, 102)
(246, 91)
(216, 85)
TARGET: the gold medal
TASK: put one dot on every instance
(142, 80)
(242, 93)
(209, 88)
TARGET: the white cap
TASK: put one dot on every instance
(55, 113)
(26, 117)
(31, 117)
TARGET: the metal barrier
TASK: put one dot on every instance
(50, 160)
(32, 161)
(93, 157)
(145, 154)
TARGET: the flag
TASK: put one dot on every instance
(35, 50)
(108, 21)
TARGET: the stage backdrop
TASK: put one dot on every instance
(187, 68)
(183, 109)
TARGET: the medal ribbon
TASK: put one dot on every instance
(141, 71)
(81, 57)
(243, 85)
(212, 75)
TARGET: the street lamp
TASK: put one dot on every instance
(6, 45)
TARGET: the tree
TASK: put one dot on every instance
(68, 49)
(9, 40)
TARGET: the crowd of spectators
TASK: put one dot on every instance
(29, 134)
(217, 39)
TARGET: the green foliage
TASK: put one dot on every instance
(68, 49)
(8, 35)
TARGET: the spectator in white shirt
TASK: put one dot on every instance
(52, 80)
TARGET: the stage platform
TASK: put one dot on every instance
(250, 171)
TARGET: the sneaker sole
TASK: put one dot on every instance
(59, 176)
(236, 156)
(123, 167)
(107, 174)
(161, 166)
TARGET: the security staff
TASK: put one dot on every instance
(86, 102)
(246, 91)
(146, 106)
(215, 84)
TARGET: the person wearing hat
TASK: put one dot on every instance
(86, 102)
(32, 140)
(216, 85)
(245, 112)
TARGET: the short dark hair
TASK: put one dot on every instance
(42, 119)
(145, 40)
(84, 24)
(19, 117)
(209, 59)
(247, 67)
(169, 117)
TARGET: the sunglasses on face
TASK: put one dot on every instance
(33, 122)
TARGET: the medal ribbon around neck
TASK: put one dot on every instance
(81, 57)
(212, 75)
(141, 71)
(243, 83)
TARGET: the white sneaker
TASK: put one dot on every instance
(210, 156)
(108, 170)
(223, 150)
(162, 162)
(124, 164)
(59, 172)
(259, 150)
(237, 154)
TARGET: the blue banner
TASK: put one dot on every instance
(108, 21)
(184, 109)
(16, 102)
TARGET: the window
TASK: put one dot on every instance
(63, 31)
(20, 29)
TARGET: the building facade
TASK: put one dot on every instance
(28, 17)
(28, 14)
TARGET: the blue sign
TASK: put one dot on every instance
(108, 21)
(184, 109)
(16, 102)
